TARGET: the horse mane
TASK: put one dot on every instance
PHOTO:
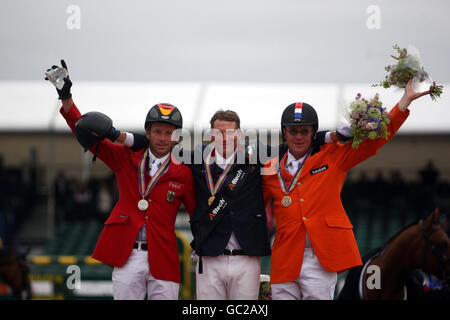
(392, 238)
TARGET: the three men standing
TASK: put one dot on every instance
(314, 238)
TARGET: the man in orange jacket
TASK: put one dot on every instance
(314, 238)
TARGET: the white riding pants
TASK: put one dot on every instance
(228, 278)
(134, 280)
(313, 283)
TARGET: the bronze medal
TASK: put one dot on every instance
(286, 201)
(210, 200)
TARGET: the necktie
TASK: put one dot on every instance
(292, 167)
(154, 167)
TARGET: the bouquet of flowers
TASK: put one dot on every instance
(265, 291)
(409, 66)
(368, 119)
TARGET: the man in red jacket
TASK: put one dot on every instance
(138, 238)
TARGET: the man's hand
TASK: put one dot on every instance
(410, 95)
(64, 92)
(343, 132)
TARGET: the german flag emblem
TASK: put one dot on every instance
(165, 109)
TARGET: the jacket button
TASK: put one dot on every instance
(304, 218)
(149, 200)
(146, 218)
(301, 199)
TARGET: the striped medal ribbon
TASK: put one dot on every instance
(143, 204)
(214, 188)
(286, 201)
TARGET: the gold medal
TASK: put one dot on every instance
(286, 201)
(214, 188)
(142, 204)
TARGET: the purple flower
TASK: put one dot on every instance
(372, 120)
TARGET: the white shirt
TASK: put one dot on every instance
(155, 162)
(292, 163)
(292, 166)
(222, 162)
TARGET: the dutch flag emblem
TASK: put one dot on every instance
(298, 110)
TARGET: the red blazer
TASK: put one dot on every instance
(316, 207)
(121, 228)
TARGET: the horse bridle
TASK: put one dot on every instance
(440, 257)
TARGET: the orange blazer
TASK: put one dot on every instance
(317, 208)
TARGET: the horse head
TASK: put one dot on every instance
(15, 270)
(433, 251)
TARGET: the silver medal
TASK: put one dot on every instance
(142, 204)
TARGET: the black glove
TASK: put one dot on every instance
(64, 92)
(113, 134)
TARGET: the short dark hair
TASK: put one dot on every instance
(227, 115)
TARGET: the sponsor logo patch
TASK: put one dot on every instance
(319, 170)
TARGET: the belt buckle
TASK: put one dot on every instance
(231, 252)
(139, 245)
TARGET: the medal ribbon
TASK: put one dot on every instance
(213, 188)
(145, 191)
(281, 181)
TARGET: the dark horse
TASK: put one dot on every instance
(14, 271)
(420, 245)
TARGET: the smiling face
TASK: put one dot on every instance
(160, 138)
(227, 137)
(298, 139)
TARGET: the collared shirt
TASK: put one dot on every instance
(292, 163)
(154, 165)
(221, 161)
(292, 166)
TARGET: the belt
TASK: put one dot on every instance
(233, 252)
(140, 245)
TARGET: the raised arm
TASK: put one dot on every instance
(92, 128)
(347, 157)
(65, 95)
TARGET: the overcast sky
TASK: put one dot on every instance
(234, 40)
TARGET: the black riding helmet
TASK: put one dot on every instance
(89, 123)
(299, 113)
(164, 112)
